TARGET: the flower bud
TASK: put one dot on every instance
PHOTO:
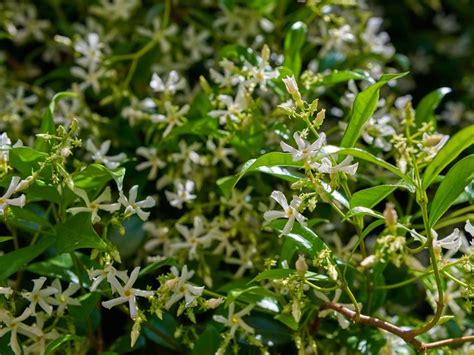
(391, 217)
(301, 265)
(291, 85)
(296, 311)
(213, 303)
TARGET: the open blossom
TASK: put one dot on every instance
(107, 273)
(229, 77)
(305, 150)
(133, 206)
(15, 326)
(90, 49)
(345, 166)
(127, 293)
(181, 288)
(153, 162)
(6, 199)
(234, 108)
(40, 337)
(99, 154)
(172, 84)
(289, 211)
(63, 298)
(243, 260)
(175, 116)
(40, 296)
(183, 194)
(188, 155)
(100, 203)
(194, 237)
(219, 153)
(234, 320)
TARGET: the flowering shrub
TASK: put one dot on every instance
(233, 177)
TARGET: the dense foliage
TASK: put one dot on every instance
(233, 177)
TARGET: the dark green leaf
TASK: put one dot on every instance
(457, 178)
(158, 264)
(77, 233)
(18, 259)
(363, 108)
(208, 342)
(95, 176)
(427, 106)
(451, 150)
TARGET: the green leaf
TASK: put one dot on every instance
(269, 163)
(305, 239)
(77, 233)
(450, 151)
(425, 109)
(5, 239)
(262, 297)
(363, 108)
(336, 77)
(158, 264)
(47, 125)
(273, 274)
(56, 344)
(26, 159)
(18, 259)
(60, 266)
(287, 320)
(457, 178)
(364, 155)
(95, 177)
(208, 342)
(294, 41)
(371, 196)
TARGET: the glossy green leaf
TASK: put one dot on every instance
(425, 109)
(26, 159)
(18, 259)
(364, 155)
(77, 233)
(47, 125)
(294, 42)
(269, 163)
(95, 177)
(208, 342)
(273, 274)
(450, 151)
(57, 343)
(371, 196)
(336, 77)
(262, 297)
(453, 184)
(363, 108)
(287, 320)
(305, 239)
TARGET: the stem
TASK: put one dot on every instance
(407, 335)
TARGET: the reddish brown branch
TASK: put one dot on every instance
(407, 335)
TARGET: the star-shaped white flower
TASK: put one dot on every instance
(133, 206)
(39, 296)
(234, 320)
(96, 205)
(183, 194)
(305, 150)
(6, 199)
(99, 154)
(181, 288)
(63, 299)
(289, 211)
(15, 326)
(127, 293)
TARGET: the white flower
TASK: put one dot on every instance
(19, 104)
(159, 237)
(63, 299)
(175, 116)
(180, 287)
(5, 146)
(289, 211)
(194, 237)
(99, 155)
(469, 228)
(239, 200)
(233, 107)
(378, 42)
(326, 166)
(195, 43)
(183, 194)
(107, 273)
(305, 149)
(6, 201)
(127, 293)
(132, 206)
(188, 155)
(90, 77)
(378, 131)
(229, 78)
(100, 203)
(91, 50)
(291, 85)
(451, 242)
(159, 34)
(234, 320)
(172, 84)
(6, 291)
(15, 326)
(244, 259)
(39, 338)
(219, 153)
(40, 296)
(153, 162)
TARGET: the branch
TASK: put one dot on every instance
(407, 335)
